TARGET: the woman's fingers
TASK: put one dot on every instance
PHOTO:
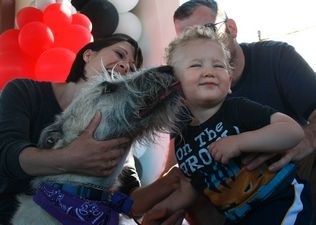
(256, 160)
(93, 124)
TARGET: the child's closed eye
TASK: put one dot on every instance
(195, 65)
(219, 66)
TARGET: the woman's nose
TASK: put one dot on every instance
(122, 67)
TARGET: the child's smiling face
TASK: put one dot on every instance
(202, 70)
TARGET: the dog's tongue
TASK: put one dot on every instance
(173, 87)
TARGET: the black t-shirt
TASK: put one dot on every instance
(276, 75)
(235, 116)
(26, 107)
(231, 187)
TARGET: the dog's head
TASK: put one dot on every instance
(132, 106)
(142, 103)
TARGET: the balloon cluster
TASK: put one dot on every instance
(103, 16)
(112, 16)
(129, 23)
(44, 44)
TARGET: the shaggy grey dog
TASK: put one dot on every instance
(134, 106)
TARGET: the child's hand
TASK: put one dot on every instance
(225, 149)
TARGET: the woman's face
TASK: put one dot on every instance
(118, 57)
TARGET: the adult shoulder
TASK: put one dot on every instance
(266, 46)
(25, 86)
(21, 82)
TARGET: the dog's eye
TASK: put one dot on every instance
(108, 87)
(50, 140)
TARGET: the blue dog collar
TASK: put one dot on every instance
(118, 201)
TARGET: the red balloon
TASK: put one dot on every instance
(27, 15)
(73, 37)
(54, 64)
(35, 38)
(9, 41)
(14, 65)
(57, 16)
(81, 19)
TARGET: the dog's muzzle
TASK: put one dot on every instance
(174, 87)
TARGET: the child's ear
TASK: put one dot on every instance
(230, 81)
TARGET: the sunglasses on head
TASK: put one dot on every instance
(215, 26)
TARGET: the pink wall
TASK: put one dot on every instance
(156, 17)
(158, 31)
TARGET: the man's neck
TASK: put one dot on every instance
(238, 61)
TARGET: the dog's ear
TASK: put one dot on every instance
(165, 69)
(50, 136)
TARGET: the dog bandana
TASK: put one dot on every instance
(70, 210)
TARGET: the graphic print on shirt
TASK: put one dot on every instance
(232, 188)
(226, 185)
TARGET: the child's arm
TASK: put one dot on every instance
(281, 134)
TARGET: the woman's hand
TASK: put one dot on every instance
(155, 192)
(162, 217)
(85, 155)
(173, 177)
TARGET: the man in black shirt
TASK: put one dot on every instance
(268, 72)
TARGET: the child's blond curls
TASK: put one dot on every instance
(195, 33)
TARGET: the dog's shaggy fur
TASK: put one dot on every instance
(135, 106)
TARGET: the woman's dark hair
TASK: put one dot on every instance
(77, 69)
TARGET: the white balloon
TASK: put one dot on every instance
(42, 4)
(68, 4)
(129, 24)
(123, 6)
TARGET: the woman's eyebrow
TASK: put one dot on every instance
(123, 49)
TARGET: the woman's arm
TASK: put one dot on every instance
(281, 134)
(167, 207)
(305, 148)
(181, 198)
(83, 156)
(171, 157)
(146, 197)
(161, 217)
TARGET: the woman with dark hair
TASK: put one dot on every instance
(28, 106)
(77, 69)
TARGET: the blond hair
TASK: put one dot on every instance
(197, 32)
